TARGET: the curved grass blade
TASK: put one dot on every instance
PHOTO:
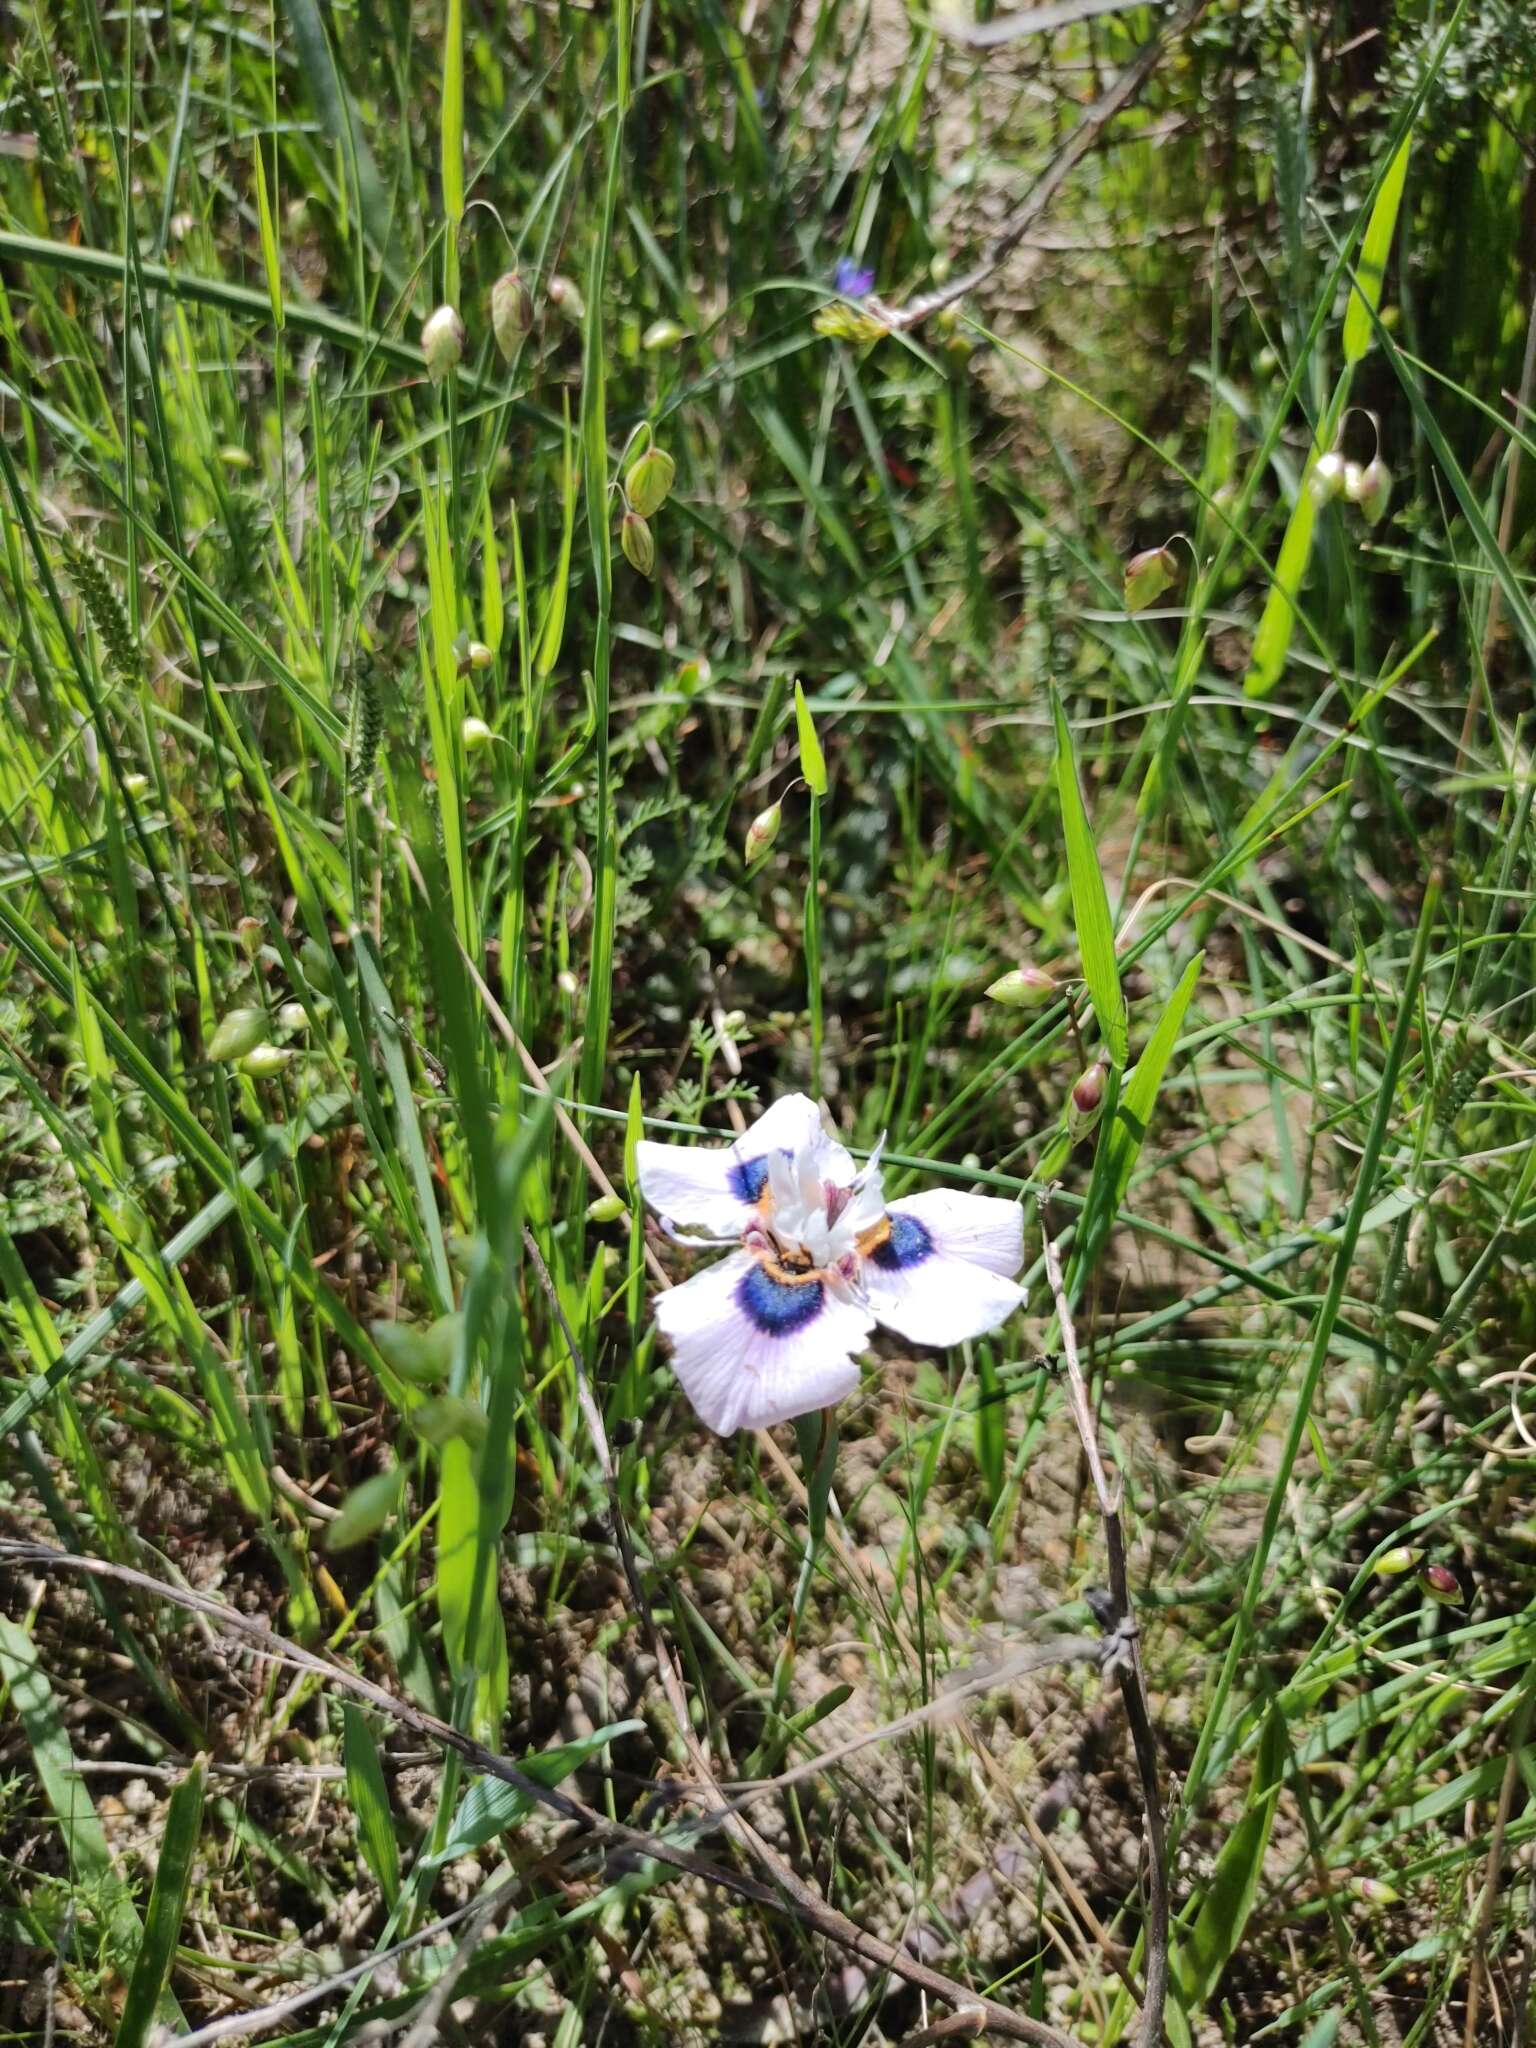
(167, 1905)
(1090, 898)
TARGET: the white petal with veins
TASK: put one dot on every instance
(942, 1301)
(692, 1184)
(741, 1374)
(982, 1228)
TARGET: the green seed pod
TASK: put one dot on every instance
(649, 482)
(293, 1017)
(1085, 1105)
(639, 546)
(564, 295)
(238, 1032)
(248, 931)
(1147, 576)
(606, 1209)
(447, 1416)
(262, 1061)
(1021, 986)
(365, 1510)
(762, 832)
(1393, 1563)
(422, 1354)
(511, 314)
(663, 334)
(1325, 479)
(442, 342)
(475, 733)
(849, 323)
(135, 784)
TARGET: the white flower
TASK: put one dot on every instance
(774, 1330)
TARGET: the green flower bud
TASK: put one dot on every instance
(511, 314)
(1147, 576)
(135, 784)
(649, 482)
(442, 342)
(1392, 1563)
(1085, 1105)
(293, 1017)
(248, 931)
(663, 334)
(1021, 986)
(262, 1061)
(234, 457)
(564, 295)
(1325, 479)
(762, 832)
(238, 1032)
(606, 1209)
(1442, 1584)
(475, 733)
(639, 546)
(365, 1510)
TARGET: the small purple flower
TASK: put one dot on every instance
(851, 279)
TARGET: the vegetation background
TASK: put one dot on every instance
(358, 794)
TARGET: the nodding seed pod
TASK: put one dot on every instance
(237, 1033)
(649, 482)
(475, 733)
(563, 293)
(1147, 576)
(442, 342)
(1393, 1563)
(762, 832)
(1369, 488)
(1020, 986)
(263, 1060)
(1441, 1583)
(1325, 479)
(511, 313)
(1085, 1105)
(606, 1209)
(639, 546)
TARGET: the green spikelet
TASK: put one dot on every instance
(106, 611)
(367, 724)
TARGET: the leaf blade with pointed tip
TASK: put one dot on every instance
(1090, 898)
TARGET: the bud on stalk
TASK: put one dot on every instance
(638, 544)
(1021, 986)
(511, 314)
(762, 832)
(442, 342)
(1147, 576)
(1085, 1105)
(1442, 1584)
(1326, 478)
(649, 481)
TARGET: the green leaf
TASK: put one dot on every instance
(1359, 328)
(634, 1131)
(1125, 1135)
(1272, 641)
(453, 116)
(491, 1805)
(1090, 899)
(1200, 1957)
(813, 764)
(166, 1910)
(369, 1797)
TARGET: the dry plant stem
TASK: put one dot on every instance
(1126, 1657)
(1115, 98)
(784, 1895)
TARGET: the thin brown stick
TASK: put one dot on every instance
(1125, 1657)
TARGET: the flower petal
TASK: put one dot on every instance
(982, 1228)
(943, 1273)
(751, 1348)
(693, 1184)
(793, 1125)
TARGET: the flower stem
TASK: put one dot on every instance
(813, 944)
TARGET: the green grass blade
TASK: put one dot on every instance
(1370, 273)
(1090, 898)
(369, 1798)
(166, 1909)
